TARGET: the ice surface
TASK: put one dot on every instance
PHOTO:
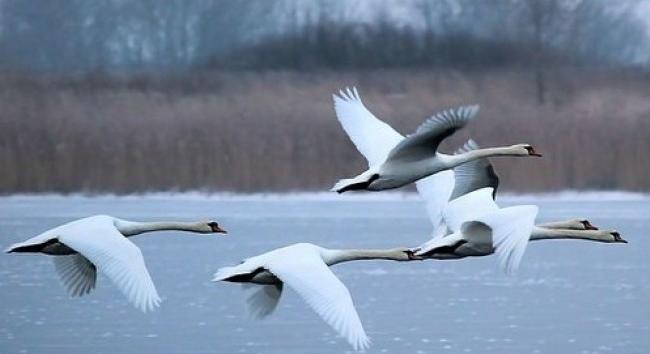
(568, 297)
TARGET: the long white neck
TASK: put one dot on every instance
(541, 233)
(459, 159)
(573, 224)
(131, 228)
(331, 257)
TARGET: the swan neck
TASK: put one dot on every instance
(482, 153)
(543, 233)
(332, 257)
(572, 224)
(132, 228)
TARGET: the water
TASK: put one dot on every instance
(568, 297)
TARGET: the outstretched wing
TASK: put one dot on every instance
(118, 258)
(426, 139)
(263, 300)
(511, 228)
(373, 138)
(435, 190)
(469, 207)
(77, 273)
(473, 175)
(312, 279)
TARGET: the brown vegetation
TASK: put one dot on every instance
(271, 131)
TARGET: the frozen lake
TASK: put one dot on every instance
(568, 297)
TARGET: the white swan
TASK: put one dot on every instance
(304, 267)
(99, 242)
(478, 227)
(479, 174)
(472, 197)
(394, 160)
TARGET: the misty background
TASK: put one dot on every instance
(142, 95)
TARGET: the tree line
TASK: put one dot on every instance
(75, 36)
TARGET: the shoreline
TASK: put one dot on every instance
(568, 195)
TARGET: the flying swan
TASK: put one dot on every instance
(304, 267)
(472, 189)
(100, 242)
(395, 160)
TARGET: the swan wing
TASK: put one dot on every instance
(264, 300)
(425, 141)
(473, 175)
(469, 207)
(312, 279)
(435, 190)
(373, 138)
(511, 229)
(77, 273)
(118, 258)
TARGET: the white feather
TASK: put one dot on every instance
(77, 273)
(263, 300)
(469, 207)
(373, 138)
(98, 240)
(511, 229)
(305, 272)
(436, 190)
(302, 268)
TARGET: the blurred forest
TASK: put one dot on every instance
(132, 96)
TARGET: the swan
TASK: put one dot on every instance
(480, 173)
(474, 189)
(304, 267)
(478, 227)
(395, 160)
(100, 242)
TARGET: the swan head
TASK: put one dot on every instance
(607, 236)
(525, 150)
(214, 227)
(587, 225)
(577, 224)
(617, 237)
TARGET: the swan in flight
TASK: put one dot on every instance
(304, 267)
(478, 227)
(395, 160)
(100, 242)
(471, 188)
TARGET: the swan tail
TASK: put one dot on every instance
(360, 182)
